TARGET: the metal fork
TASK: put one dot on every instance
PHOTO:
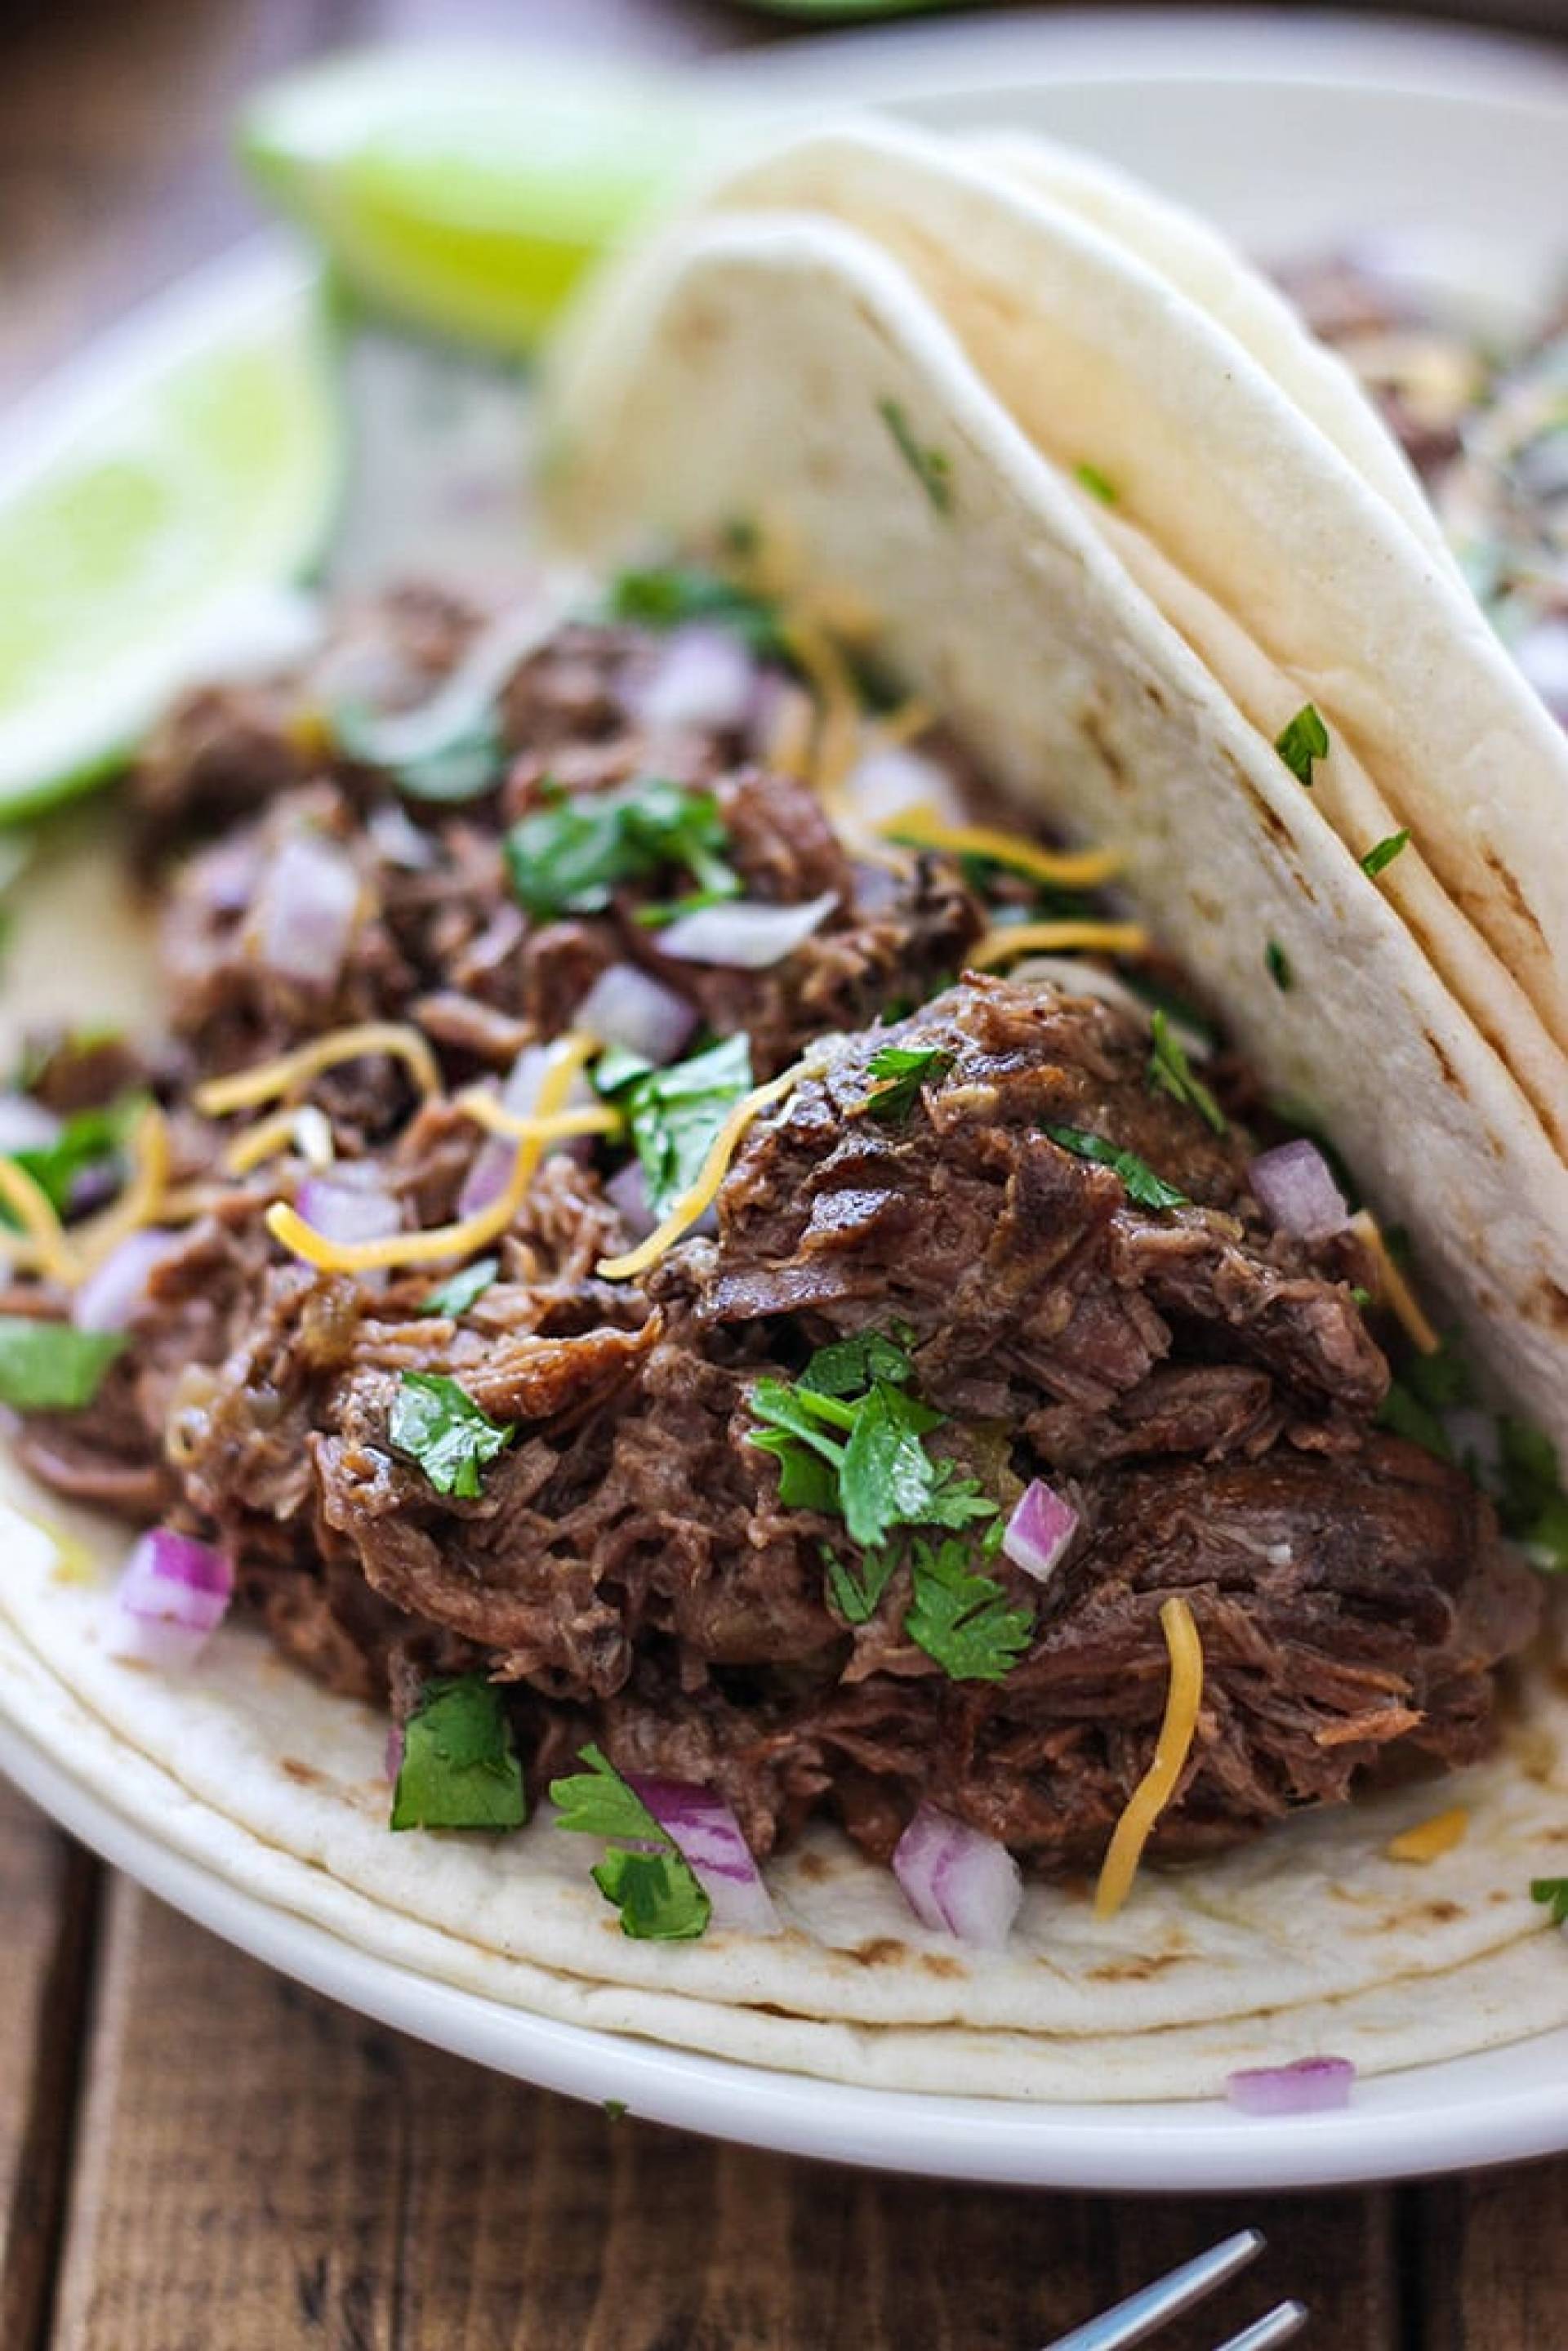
(1144, 2312)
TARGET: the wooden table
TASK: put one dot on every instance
(195, 2153)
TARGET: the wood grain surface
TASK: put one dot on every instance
(195, 2153)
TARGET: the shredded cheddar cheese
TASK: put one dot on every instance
(300, 1129)
(596, 1118)
(694, 1202)
(1011, 939)
(1393, 1291)
(43, 1243)
(1081, 869)
(895, 728)
(790, 742)
(838, 735)
(141, 1196)
(247, 1088)
(1157, 1786)
(1429, 1838)
(566, 1057)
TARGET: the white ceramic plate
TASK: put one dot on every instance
(1293, 135)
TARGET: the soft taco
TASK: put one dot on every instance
(694, 1379)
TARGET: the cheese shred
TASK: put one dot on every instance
(296, 1127)
(1159, 1784)
(1011, 939)
(838, 735)
(247, 1088)
(1393, 1291)
(699, 1196)
(44, 1243)
(142, 1198)
(486, 1111)
(1430, 1838)
(1077, 869)
(566, 1058)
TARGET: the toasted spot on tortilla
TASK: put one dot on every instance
(814, 1867)
(1138, 1969)
(937, 1963)
(1516, 897)
(1089, 720)
(305, 1775)
(882, 1951)
(1549, 1303)
(1450, 1075)
(1442, 1913)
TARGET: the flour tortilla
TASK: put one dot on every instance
(742, 366)
(1102, 360)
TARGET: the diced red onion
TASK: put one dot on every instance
(956, 1880)
(305, 914)
(743, 934)
(626, 1008)
(26, 1125)
(1311, 2086)
(401, 842)
(171, 1598)
(628, 1190)
(344, 1211)
(1297, 1192)
(702, 684)
(1039, 1531)
(890, 780)
(709, 1837)
(391, 1758)
(112, 1291)
(493, 1163)
(400, 737)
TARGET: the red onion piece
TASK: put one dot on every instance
(171, 1598)
(305, 913)
(112, 1291)
(1297, 1192)
(400, 840)
(628, 1190)
(344, 1211)
(1039, 1531)
(26, 1125)
(708, 1835)
(1310, 2087)
(497, 1156)
(890, 780)
(956, 1880)
(744, 935)
(391, 1758)
(626, 1008)
(702, 684)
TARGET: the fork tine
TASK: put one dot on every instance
(1277, 2326)
(1131, 2321)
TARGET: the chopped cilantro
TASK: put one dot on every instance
(52, 1366)
(845, 1367)
(932, 468)
(1530, 1502)
(458, 1293)
(962, 1621)
(1279, 966)
(1553, 1892)
(89, 1139)
(459, 1768)
(857, 1596)
(666, 596)
(674, 1115)
(905, 1070)
(1149, 1190)
(568, 856)
(645, 1875)
(882, 1476)
(1303, 741)
(614, 2109)
(461, 764)
(1409, 1416)
(1362, 1297)
(438, 1423)
(1171, 1072)
(1441, 1380)
(1384, 854)
(1098, 485)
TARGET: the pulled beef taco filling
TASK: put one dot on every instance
(736, 1506)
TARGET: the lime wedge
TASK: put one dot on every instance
(466, 192)
(155, 499)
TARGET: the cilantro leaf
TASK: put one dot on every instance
(857, 1597)
(89, 1139)
(462, 1289)
(645, 1875)
(1098, 485)
(448, 771)
(1409, 1416)
(1279, 966)
(1171, 1072)
(962, 1620)
(1301, 742)
(1531, 1504)
(52, 1366)
(1553, 1892)
(568, 856)
(438, 1423)
(905, 1070)
(1384, 854)
(666, 596)
(459, 1767)
(846, 1366)
(932, 468)
(674, 1113)
(1149, 1190)
(887, 1478)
